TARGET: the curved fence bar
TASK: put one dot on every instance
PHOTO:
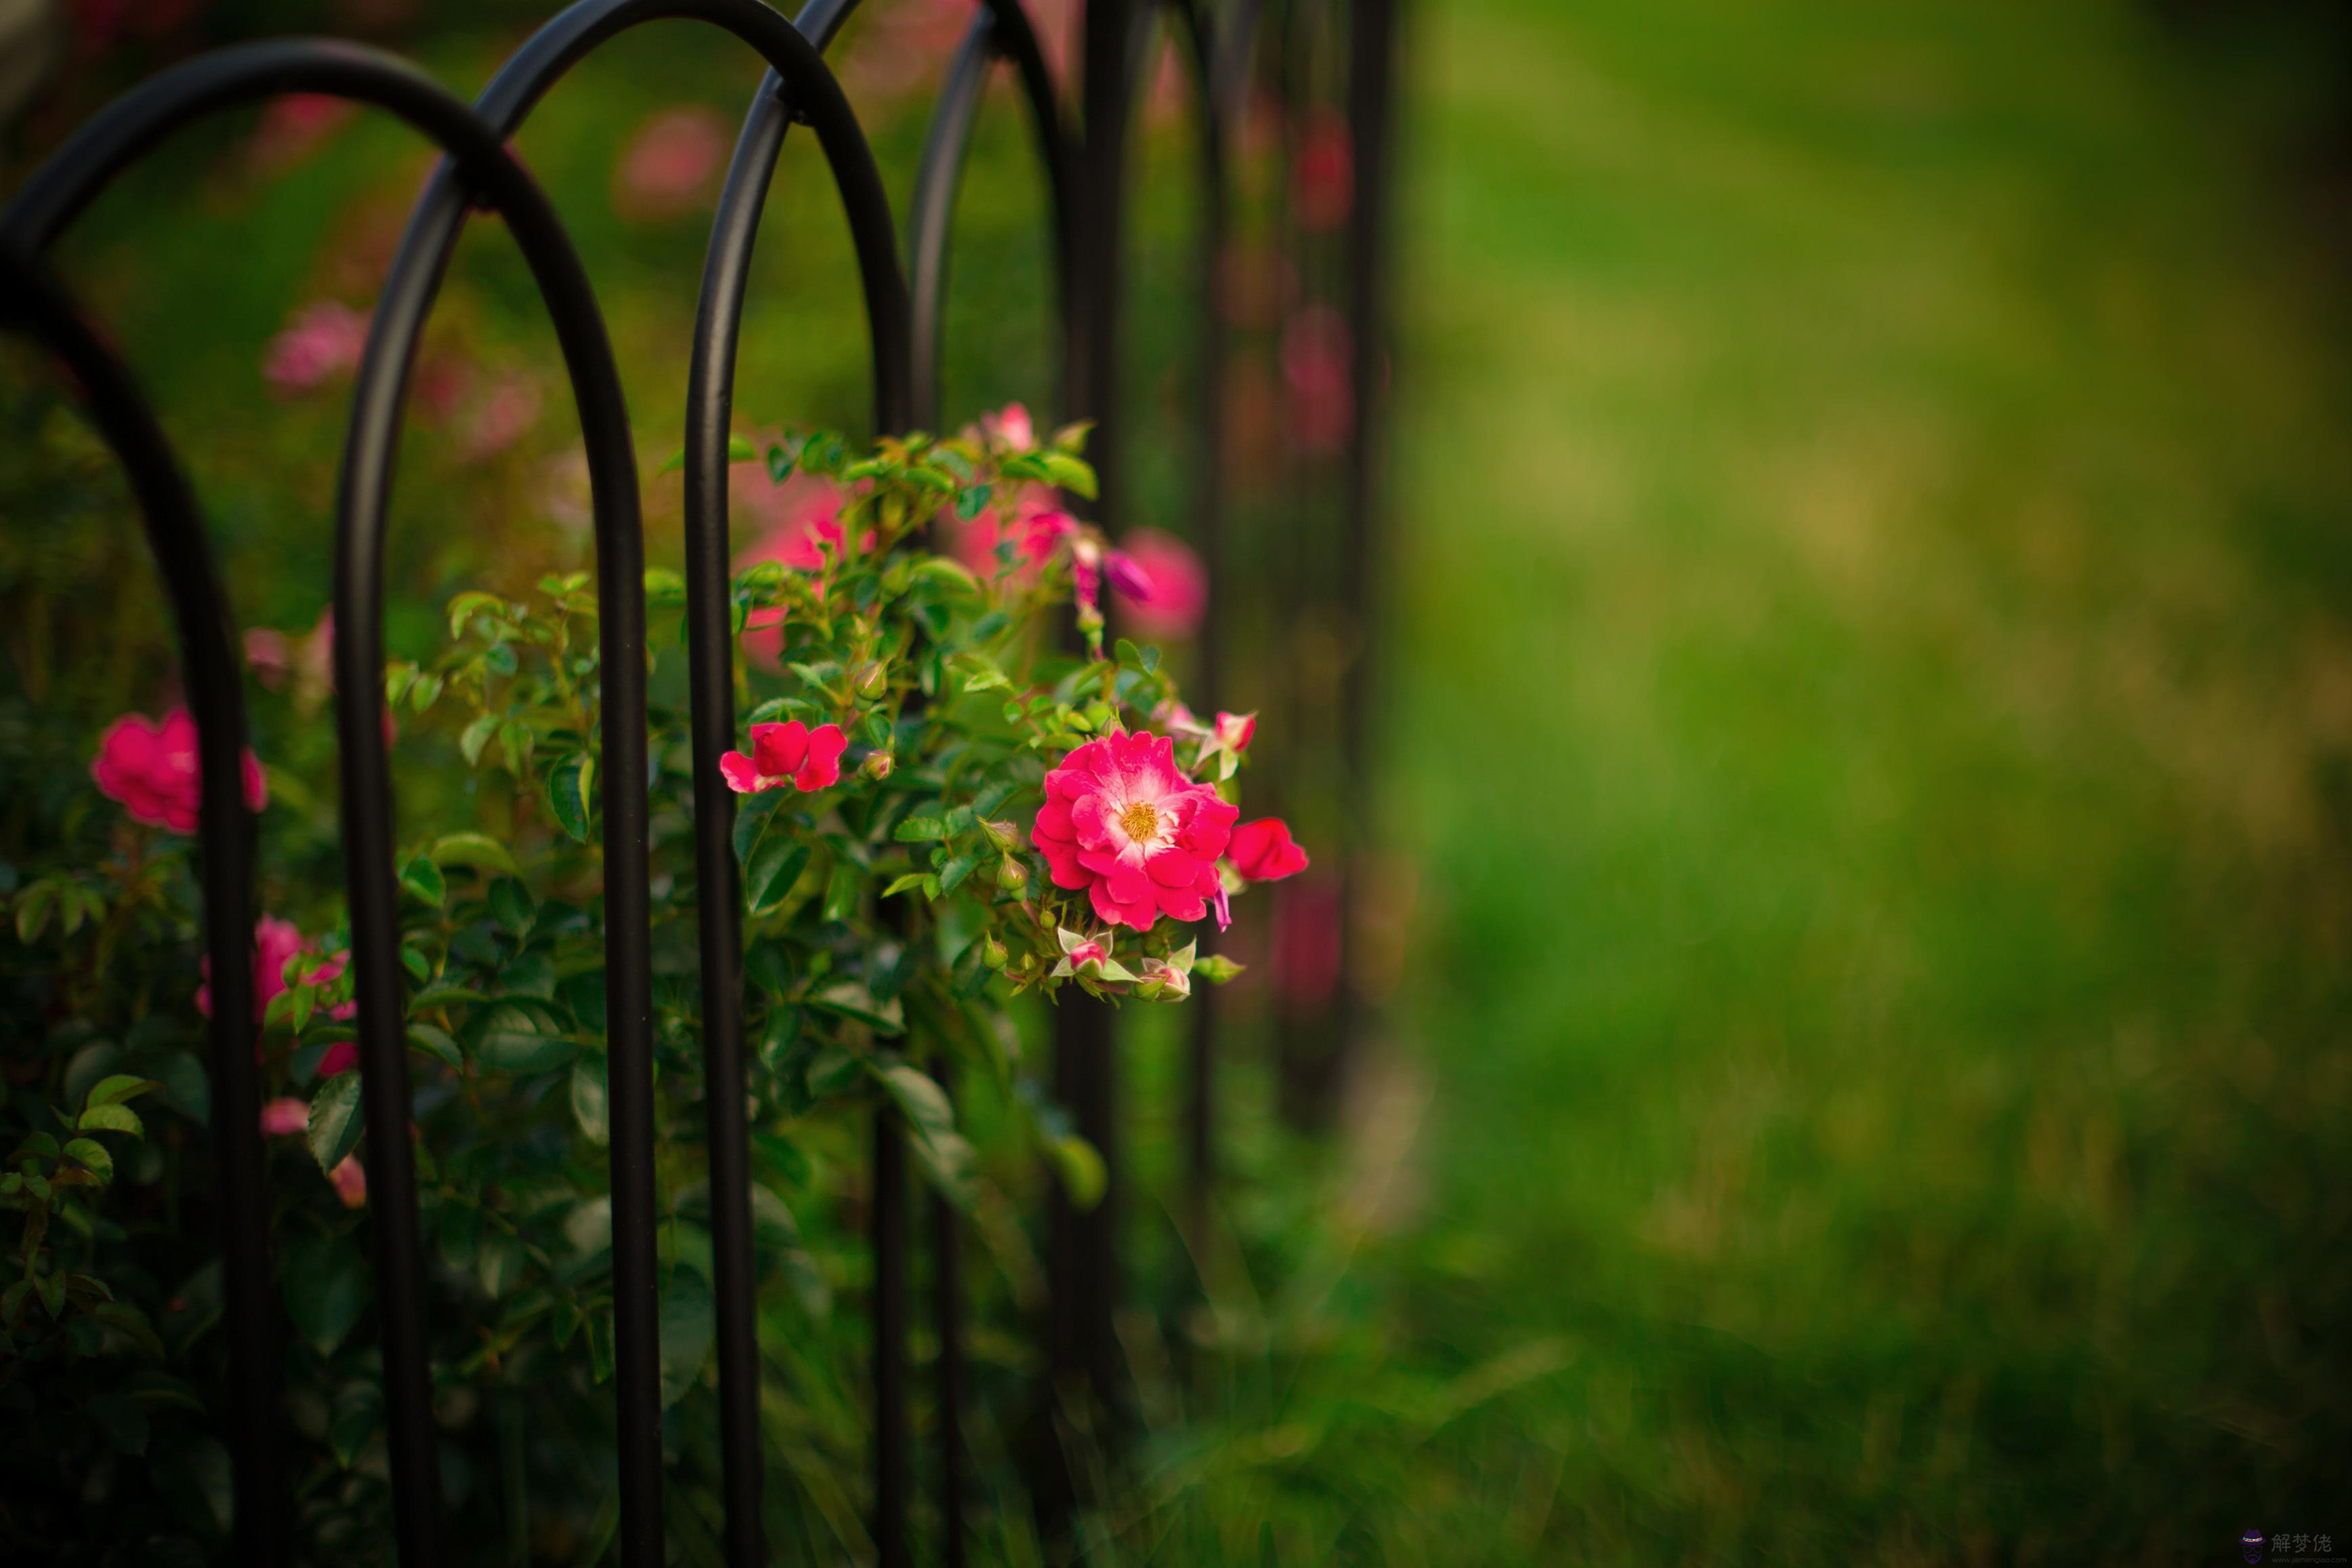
(932, 207)
(425, 248)
(797, 86)
(31, 304)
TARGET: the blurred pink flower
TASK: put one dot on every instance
(1323, 182)
(500, 418)
(323, 340)
(1162, 589)
(294, 125)
(349, 1178)
(1012, 426)
(797, 520)
(267, 655)
(1235, 731)
(285, 1118)
(274, 943)
(151, 770)
(1307, 945)
(669, 164)
(341, 1057)
(1314, 365)
(1038, 526)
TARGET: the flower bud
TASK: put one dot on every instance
(877, 765)
(871, 679)
(993, 952)
(1216, 968)
(1011, 875)
(1002, 835)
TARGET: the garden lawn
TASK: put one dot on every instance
(1871, 701)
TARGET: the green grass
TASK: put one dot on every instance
(1869, 703)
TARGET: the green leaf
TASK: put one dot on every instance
(841, 894)
(686, 1333)
(516, 743)
(477, 736)
(433, 1042)
(1080, 1170)
(850, 1000)
(110, 1119)
(511, 906)
(499, 1263)
(920, 830)
(479, 851)
(775, 866)
(462, 610)
(671, 463)
(1070, 472)
(358, 1416)
(92, 1153)
(664, 586)
(422, 881)
(519, 1038)
(588, 1097)
(900, 884)
(128, 1319)
(326, 1289)
(955, 871)
(939, 1147)
(119, 1087)
(974, 501)
(571, 794)
(444, 996)
(335, 1120)
(33, 907)
(741, 450)
(751, 820)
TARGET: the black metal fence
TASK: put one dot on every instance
(1277, 46)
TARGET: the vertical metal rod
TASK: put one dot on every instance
(947, 1317)
(888, 1235)
(1371, 70)
(32, 304)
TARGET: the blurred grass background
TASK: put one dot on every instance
(1870, 703)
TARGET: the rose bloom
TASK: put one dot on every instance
(286, 1118)
(1120, 821)
(1264, 850)
(274, 943)
(351, 1182)
(669, 164)
(150, 768)
(322, 340)
(1162, 589)
(1037, 527)
(809, 759)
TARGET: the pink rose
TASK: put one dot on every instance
(285, 1118)
(669, 164)
(321, 342)
(1262, 850)
(1162, 589)
(1037, 527)
(341, 1057)
(274, 943)
(1012, 426)
(1315, 369)
(150, 768)
(809, 759)
(1120, 821)
(1323, 182)
(351, 1182)
(1234, 731)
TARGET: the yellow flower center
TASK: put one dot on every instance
(1139, 821)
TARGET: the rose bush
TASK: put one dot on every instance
(918, 709)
